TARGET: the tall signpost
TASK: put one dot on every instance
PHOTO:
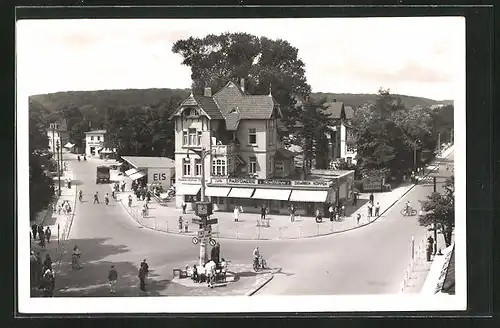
(203, 208)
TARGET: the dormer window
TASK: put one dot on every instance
(191, 112)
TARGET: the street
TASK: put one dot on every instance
(369, 260)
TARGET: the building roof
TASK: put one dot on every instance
(96, 132)
(224, 102)
(141, 161)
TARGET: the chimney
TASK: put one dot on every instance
(242, 84)
(208, 92)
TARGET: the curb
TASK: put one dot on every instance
(256, 289)
(439, 160)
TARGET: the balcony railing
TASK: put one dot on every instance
(224, 149)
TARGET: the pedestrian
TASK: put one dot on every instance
(49, 283)
(263, 212)
(180, 224)
(112, 277)
(34, 229)
(68, 208)
(210, 273)
(40, 231)
(123, 186)
(331, 212)
(292, 213)
(96, 197)
(377, 209)
(47, 264)
(148, 196)
(358, 217)
(343, 211)
(236, 214)
(184, 205)
(106, 198)
(142, 279)
(369, 209)
(48, 233)
(186, 226)
(215, 253)
(129, 200)
(355, 199)
(145, 268)
(371, 198)
(34, 270)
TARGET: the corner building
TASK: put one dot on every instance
(246, 164)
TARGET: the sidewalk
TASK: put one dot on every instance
(166, 218)
(53, 220)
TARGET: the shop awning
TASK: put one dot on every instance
(130, 172)
(188, 189)
(217, 191)
(272, 194)
(312, 196)
(137, 175)
(241, 192)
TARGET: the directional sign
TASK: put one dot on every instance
(212, 221)
(197, 221)
(195, 240)
(204, 233)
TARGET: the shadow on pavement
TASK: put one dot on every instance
(92, 278)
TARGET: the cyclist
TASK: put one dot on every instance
(408, 208)
(256, 255)
(80, 195)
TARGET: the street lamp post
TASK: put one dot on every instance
(203, 242)
(58, 169)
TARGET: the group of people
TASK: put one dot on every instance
(209, 271)
(373, 209)
(119, 186)
(42, 274)
(64, 207)
(43, 235)
(143, 275)
(96, 198)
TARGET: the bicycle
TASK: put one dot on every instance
(259, 264)
(408, 211)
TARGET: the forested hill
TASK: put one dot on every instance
(130, 97)
(358, 99)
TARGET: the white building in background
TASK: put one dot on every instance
(342, 142)
(57, 134)
(94, 142)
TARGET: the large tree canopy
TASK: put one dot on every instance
(262, 62)
(389, 135)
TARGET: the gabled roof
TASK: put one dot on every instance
(334, 109)
(206, 104)
(96, 132)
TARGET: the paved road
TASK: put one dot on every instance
(367, 260)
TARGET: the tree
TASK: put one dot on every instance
(440, 210)
(264, 63)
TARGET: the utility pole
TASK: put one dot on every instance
(439, 143)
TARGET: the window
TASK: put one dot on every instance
(192, 137)
(219, 167)
(91, 138)
(252, 163)
(98, 138)
(186, 168)
(279, 167)
(197, 169)
(198, 136)
(184, 138)
(252, 136)
(349, 160)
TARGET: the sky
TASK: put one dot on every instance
(422, 57)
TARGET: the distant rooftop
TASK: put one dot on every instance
(141, 161)
(96, 132)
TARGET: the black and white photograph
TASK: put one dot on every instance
(241, 165)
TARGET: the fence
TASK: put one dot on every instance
(418, 257)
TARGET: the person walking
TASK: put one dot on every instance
(145, 268)
(129, 200)
(49, 283)
(47, 264)
(371, 198)
(292, 213)
(263, 212)
(40, 231)
(48, 233)
(184, 205)
(355, 199)
(112, 277)
(41, 235)
(331, 212)
(96, 197)
(215, 253)
(236, 214)
(180, 224)
(358, 218)
(142, 279)
(106, 198)
(370, 209)
(377, 209)
(34, 230)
